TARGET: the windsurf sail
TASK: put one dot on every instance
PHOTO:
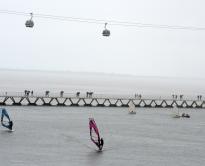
(176, 112)
(94, 134)
(5, 119)
(132, 108)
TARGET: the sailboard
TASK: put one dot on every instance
(5, 120)
(95, 135)
(131, 108)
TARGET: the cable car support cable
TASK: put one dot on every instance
(111, 22)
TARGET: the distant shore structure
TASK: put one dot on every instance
(90, 99)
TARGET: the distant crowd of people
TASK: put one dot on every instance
(199, 97)
(180, 97)
(89, 94)
(175, 97)
(139, 96)
(28, 92)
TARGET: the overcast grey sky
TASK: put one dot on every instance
(74, 46)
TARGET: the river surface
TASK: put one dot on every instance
(59, 136)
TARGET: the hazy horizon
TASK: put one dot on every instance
(99, 72)
(71, 82)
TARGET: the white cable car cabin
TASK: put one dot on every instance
(106, 32)
(30, 23)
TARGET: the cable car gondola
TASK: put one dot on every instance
(106, 32)
(30, 23)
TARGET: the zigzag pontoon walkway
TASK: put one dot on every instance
(95, 101)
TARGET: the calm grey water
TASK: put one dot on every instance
(50, 136)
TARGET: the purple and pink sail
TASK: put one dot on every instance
(94, 134)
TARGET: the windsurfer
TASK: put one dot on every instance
(94, 134)
(10, 125)
(101, 143)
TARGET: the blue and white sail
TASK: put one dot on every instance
(5, 119)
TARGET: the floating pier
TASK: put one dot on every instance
(95, 101)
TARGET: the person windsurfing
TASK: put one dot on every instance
(95, 135)
(101, 143)
(8, 124)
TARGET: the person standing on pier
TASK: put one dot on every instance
(78, 94)
(61, 93)
(47, 93)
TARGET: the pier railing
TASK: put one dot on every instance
(97, 100)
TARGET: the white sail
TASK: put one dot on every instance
(132, 108)
(176, 112)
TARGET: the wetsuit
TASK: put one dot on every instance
(101, 143)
